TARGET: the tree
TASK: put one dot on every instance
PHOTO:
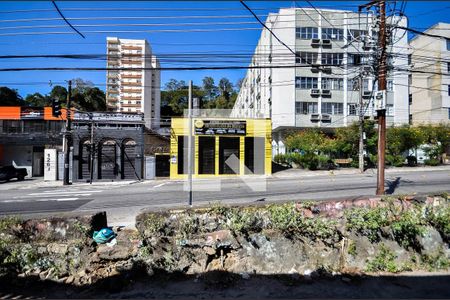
(60, 93)
(37, 99)
(239, 84)
(225, 88)
(89, 99)
(209, 88)
(10, 97)
(174, 85)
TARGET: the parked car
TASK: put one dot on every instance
(9, 172)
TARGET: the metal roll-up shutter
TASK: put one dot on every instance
(107, 161)
(129, 160)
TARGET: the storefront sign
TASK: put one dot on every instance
(50, 164)
(220, 127)
(32, 113)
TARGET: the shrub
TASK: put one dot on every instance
(432, 162)
(394, 160)
(384, 261)
(281, 159)
(406, 227)
(439, 217)
(367, 221)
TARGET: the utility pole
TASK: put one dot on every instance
(67, 137)
(381, 113)
(361, 124)
(91, 158)
(190, 152)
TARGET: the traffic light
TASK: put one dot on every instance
(56, 108)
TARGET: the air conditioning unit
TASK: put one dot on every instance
(315, 117)
(326, 69)
(367, 94)
(367, 70)
(369, 43)
(326, 93)
(315, 68)
(315, 92)
(315, 42)
(326, 118)
(326, 43)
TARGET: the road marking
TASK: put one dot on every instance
(58, 199)
(159, 185)
(62, 193)
(46, 196)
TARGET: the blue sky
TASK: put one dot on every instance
(422, 14)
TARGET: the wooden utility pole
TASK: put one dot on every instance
(381, 112)
(67, 137)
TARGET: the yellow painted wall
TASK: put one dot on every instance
(254, 128)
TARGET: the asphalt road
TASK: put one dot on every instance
(123, 202)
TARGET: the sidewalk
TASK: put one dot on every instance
(33, 183)
(290, 173)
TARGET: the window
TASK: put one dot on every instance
(409, 59)
(353, 34)
(305, 83)
(357, 59)
(333, 84)
(390, 85)
(306, 58)
(365, 84)
(448, 44)
(410, 99)
(449, 113)
(332, 58)
(306, 33)
(332, 108)
(390, 110)
(333, 34)
(353, 84)
(305, 108)
(352, 109)
(448, 67)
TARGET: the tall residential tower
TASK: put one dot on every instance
(133, 86)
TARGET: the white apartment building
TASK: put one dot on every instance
(430, 86)
(319, 87)
(133, 91)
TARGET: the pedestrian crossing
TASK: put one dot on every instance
(54, 195)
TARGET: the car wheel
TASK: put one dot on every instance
(20, 178)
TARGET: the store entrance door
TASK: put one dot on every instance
(228, 146)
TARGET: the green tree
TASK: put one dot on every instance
(37, 99)
(209, 88)
(225, 88)
(60, 93)
(10, 97)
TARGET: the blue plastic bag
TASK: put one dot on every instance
(103, 236)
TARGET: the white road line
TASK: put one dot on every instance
(59, 199)
(62, 193)
(46, 196)
(159, 185)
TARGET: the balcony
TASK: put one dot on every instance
(131, 105)
(129, 47)
(124, 83)
(131, 76)
(131, 98)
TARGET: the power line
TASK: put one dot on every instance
(65, 20)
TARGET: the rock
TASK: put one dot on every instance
(245, 275)
(42, 250)
(209, 250)
(431, 241)
(222, 238)
(117, 252)
(57, 248)
(307, 272)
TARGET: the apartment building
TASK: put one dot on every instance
(430, 79)
(133, 86)
(319, 86)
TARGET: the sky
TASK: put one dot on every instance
(185, 18)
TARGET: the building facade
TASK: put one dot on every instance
(108, 146)
(222, 146)
(430, 86)
(320, 85)
(24, 134)
(133, 83)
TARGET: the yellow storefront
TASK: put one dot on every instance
(223, 147)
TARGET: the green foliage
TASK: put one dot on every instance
(435, 261)
(352, 248)
(406, 227)
(308, 141)
(439, 217)
(367, 221)
(291, 223)
(395, 160)
(244, 220)
(155, 223)
(8, 223)
(384, 261)
(188, 225)
(432, 162)
(80, 227)
(10, 97)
